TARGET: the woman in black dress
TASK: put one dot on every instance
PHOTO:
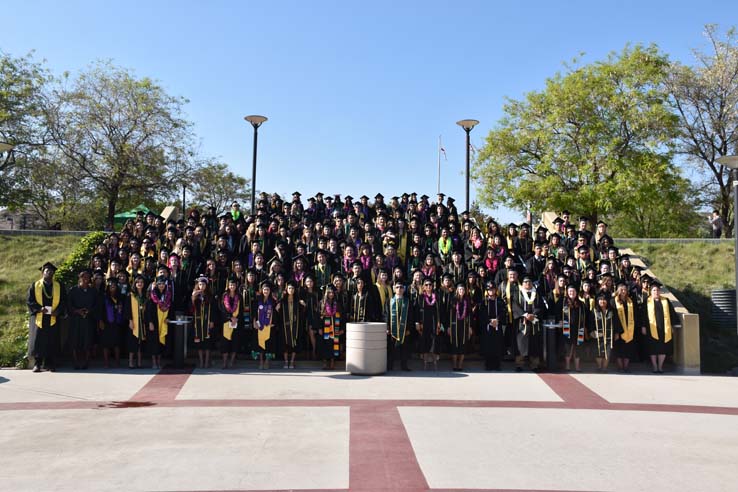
(459, 330)
(264, 320)
(660, 319)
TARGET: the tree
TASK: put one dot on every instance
(585, 142)
(22, 82)
(706, 99)
(216, 186)
(120, 134)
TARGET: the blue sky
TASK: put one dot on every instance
(356, 93)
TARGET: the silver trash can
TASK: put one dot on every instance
(366, 348)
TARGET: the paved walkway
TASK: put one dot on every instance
(305, 429)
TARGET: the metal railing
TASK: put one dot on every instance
(36, 232)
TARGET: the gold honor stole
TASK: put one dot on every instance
(55, 297)
(136, 317)
(652, 320)
(227, 329)
(508, 302)
(163, 325)
(629, 326)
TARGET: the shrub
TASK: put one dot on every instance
(79, 259)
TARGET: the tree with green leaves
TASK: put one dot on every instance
(705, 97)
(22, 83)
(120, 134)
(217, 186)
(594, 140)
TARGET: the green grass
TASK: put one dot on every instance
(691, 271)
(21, 258)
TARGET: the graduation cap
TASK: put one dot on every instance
(112, 281)
(163, 267)
(646, 277)
(512, 225)
(447, 276)
(440, 194)
(583, 218)
(602, 296)
(460, 284)
(48, 265)
(607, 238)
(601, 222)
(656, 283)
(161, 279)
(565, 212)
(626, 256)
(329, 198)
(490, 284)
(311, 199)
(137, 277)
(319, 194)
(538, 244)
(378, 196)
(297, 194)
(527, 278)
(603, 276)
(348, 197)
(621, 282)
(363, 197)
(424, 197)
(450, 200)
(337, 196)
(583, 247)
(555, 234)
(558, 220)
(541, 229)
(395, 198)
(202, 278)
(413, 195)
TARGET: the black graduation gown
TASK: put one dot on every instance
(205, 311)
(659, 346)
(491, 339)
(45, 337)
(227, 346)
(82, 328)
(291, 325)
(460, 319)
(429, 316)
(114, 321)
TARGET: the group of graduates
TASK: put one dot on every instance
(288, 278)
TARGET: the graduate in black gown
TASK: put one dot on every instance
(112, 322)
(231, 321)
(400, 318)
(205, 315)
(264, 321)
(492, 317)
(625, 320)
(575, 325)
(47, 302)
(429, 320)
(311, 296)
(661, 318)
(137, 331)
(156, 316)
(291, 315)
(331, 328)
(604, 331)
(459, 329)
(83, 306)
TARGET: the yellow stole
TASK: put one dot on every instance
(227, 330)
(163, 325)
(508, 302)
(629, 325)
(384, 292)
(134, 316)
(55, 297)
(652, 319)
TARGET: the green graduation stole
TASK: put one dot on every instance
(398, 318)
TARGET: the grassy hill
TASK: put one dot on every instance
(21, 258)
(691, 271)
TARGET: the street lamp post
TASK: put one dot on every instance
(467, 125)
(256, 122)
(731, 161)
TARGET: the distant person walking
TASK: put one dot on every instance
(717, 224)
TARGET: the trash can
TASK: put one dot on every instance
(551, 335)
(180, 326)
(366, 348)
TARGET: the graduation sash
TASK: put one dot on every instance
(137, 317)
(566, 320)
(652, 319)
(202, 320)
(227, 328)
(601, 331)
(398, 319)
(55, 297)
(629, 324)
(163, 325)
(384, 293)
(331, 325)
(291, 323)
(265, 324)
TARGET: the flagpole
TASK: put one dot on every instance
(439, 164)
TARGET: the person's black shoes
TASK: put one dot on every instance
(36, 368)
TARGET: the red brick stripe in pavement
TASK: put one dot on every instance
(165, 385)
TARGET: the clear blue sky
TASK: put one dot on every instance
(356, 93)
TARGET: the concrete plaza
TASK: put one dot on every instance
(306, 429)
